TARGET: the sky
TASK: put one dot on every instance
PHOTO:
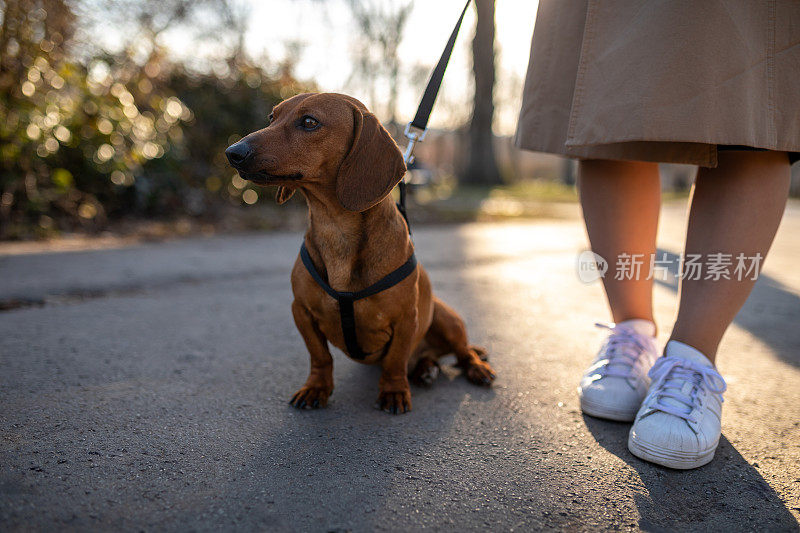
(327, 34)
(326, 31)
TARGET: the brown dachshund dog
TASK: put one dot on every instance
(337, 154)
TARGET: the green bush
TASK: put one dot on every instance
(85, 140)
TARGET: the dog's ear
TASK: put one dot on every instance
(371, 168)
(283, 194)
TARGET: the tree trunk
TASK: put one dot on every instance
(481, 162)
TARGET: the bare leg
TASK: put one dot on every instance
(621, 202)
(735, 208)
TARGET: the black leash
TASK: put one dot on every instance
(415, 132)
(432, 90)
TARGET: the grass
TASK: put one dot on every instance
(440, 204)
(538, 190)
(526, 199)
(531, 190)
(530, 199)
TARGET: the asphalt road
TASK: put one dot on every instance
(146, 388)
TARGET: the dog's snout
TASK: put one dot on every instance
(238, 153)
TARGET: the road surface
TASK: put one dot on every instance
(146, 388)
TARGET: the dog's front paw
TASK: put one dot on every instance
(395, 402)
(310, 397)
(480, 373)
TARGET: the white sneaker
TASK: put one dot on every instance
(679, 423)
(615, 384)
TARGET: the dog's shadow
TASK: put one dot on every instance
(727, 494)
(348, 456)
(358, 388)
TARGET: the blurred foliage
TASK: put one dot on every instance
(90, 137)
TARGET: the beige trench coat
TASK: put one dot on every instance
(662, 80)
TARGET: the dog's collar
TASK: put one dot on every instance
(346, 299)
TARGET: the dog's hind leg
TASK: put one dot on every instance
(423, 365)
(448, 334)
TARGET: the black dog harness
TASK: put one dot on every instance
(346, 299)
(419, 124)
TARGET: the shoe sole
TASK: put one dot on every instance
(609, 413)
(670, 458)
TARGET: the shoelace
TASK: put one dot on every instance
(669, 375)
(623, 348)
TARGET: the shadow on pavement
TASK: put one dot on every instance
(728, 494)
(346, 467)
(769, 313)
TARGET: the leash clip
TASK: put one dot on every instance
(414, 135)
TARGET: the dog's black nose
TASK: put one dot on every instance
(238, 153)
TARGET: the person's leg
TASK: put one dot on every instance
(620, 206)
(735, 209)
(621, 201)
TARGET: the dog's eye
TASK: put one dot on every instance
(309, 123)
(271, 118)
